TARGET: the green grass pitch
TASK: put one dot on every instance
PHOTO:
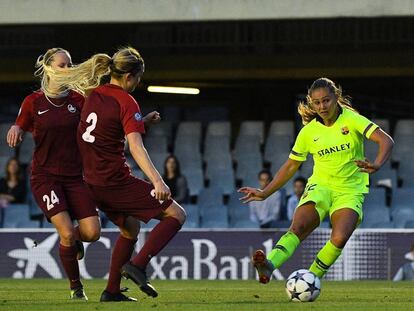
(46, 294)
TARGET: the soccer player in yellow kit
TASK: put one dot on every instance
(334, 135)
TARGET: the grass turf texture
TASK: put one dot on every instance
(46, 294)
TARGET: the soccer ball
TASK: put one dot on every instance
(303, 286)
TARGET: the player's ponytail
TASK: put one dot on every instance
(89, 74)
(305, 107)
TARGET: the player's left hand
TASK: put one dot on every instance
(366, 166)
(152, 118)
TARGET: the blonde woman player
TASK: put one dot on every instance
(334, 134)
(52, 114)
(110, 114)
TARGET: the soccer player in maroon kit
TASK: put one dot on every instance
(110, 114)
(56, 176)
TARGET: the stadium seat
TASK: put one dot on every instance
(193, 216)
(189, 129)
(156, 144)
(402, 198)
(278, 160)
(409, 224)
(221, 162)
(28, 224)
(406, 170)
(252, 128)
(239, 213)
(210, 197)
(276, 145)
(47, 225)
(248, 167)
(158, 160)
(404, 144)
(3, 163)
(282, 128)
(216, 145)
(375, 198)
(26, 149)
(386, 176)
(222, 128)
(246, 145)
(214, 217)
(401, 215)
(404, 127)
(371, 149)
(15, 214)
(383, 225)
(163, 129)
(375, 215)
(223, 179)
(195, 181)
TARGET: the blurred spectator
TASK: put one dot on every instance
(266, 212)
(406, 272)
(174, 180)
(298, 188)
(13, 187)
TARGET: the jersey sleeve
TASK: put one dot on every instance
(300, 150)
(25, 117)
(131, 116)
(363, 125)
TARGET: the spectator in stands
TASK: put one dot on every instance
(13, 187)
(298, 188)
(174, 180)
(406, 272)
(266, 212)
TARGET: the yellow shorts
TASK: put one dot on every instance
(328, 201)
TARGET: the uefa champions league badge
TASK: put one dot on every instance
(138, 116)
(71, 108)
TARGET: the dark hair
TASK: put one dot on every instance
(265, 172)
(177, 166)
(301, 179)
(19, 175)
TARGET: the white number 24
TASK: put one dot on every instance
(87, 136)
(51, 200)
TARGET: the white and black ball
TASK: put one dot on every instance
(303, 286)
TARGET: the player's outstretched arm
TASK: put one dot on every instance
(14, 135)
(288, 169)
(385, 143)
(140, 154)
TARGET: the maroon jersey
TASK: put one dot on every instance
(109, 114)
(54, 132)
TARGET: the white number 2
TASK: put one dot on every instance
(50, 201)
(87, 136)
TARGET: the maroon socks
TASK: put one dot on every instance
(157, 240)
(70, 264)
(121, 254)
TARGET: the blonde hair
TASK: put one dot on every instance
(89, 74)
(43, 66)
(305, 107)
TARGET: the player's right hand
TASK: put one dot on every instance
(162, 192)
(252, 194)
(14, 136)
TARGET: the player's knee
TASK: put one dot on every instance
(66, 236)
(179, 214)
(339, 240)
(91, 235)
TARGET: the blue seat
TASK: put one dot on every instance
(275, 145)
(193, 216)
(239, 213)
(383, 225)
(15, 214)
(219, 128)
(223, 179)
(214, 217)
(409, 224)
(402, 197)
(375, 215)
(26, 148)
(401, 215)
(375, 198)
(210, 197)
(282, 128)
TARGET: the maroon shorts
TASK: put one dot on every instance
(134, 198)
(55, 194)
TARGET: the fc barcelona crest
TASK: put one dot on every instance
(345, 130)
